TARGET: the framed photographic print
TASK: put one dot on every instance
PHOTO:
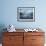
(26, 14)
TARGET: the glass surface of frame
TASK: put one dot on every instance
(26, 14)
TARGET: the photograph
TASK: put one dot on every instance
(26, 14)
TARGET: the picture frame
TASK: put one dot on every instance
(26, 14)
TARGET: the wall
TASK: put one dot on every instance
(8, 13)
